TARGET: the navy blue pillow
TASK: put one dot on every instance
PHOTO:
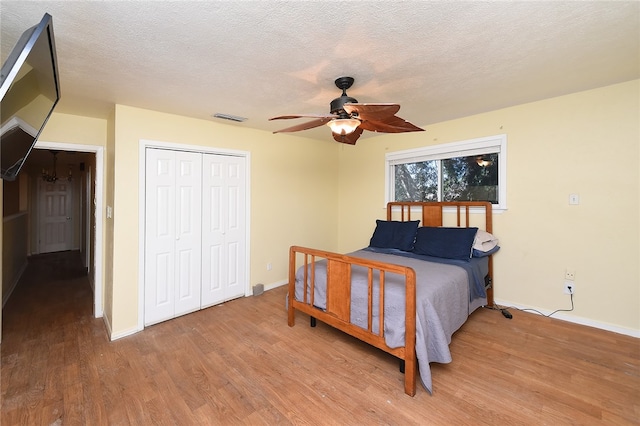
(448, 243)
(394, 234)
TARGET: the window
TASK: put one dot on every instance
(473, 170)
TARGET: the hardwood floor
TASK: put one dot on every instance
(239, 363)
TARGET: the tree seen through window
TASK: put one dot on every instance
(471, 178)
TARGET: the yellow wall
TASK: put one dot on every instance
(294, 190)
(585, 143)
(66, 128)
(326, 195)
(14, 251)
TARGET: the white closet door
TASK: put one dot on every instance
(224, 228)
(188, 231)
(172, 234)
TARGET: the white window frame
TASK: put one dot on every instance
(486, 145)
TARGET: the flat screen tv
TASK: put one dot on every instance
(29, 91)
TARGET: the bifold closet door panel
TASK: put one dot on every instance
(224, 228)
(188, 247)
(173, 248)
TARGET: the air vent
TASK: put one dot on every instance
(229, 117)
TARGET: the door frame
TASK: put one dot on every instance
(98, 310)
(142, 146)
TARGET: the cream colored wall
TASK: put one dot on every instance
(294, 184)
(585, 143)
(14, 251)
(67, 128)
(108, 223)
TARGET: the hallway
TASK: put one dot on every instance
(52, 302)
(53, 292)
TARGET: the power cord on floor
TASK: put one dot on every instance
(507, 314)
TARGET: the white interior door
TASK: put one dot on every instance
(56, 220)
(224, 228)
(188, 242)
(172, 234)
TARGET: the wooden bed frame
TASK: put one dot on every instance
(337, 312)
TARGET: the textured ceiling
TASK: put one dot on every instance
(438, 60)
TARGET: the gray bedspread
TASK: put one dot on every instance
(442, 304)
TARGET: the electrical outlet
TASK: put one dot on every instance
(569, 287)
(269, 266)
(570, 274)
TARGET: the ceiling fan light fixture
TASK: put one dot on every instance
(343, 126)
(483, 162)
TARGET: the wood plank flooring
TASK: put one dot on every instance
(239, 363)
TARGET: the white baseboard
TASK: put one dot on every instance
(276, 284)
(575, 319)
(119, 335)
(107, 324)
(124, 333)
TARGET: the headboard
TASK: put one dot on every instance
(433, 213)
(448, 213)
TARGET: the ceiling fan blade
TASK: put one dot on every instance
(308, 125)
(371, 111)
(288, 117)
(393, 124)
(349, 139)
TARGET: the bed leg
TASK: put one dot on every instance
(402, 366)
(312, 321)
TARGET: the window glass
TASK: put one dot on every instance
(473, 178)
(461, 171)
(416, 181)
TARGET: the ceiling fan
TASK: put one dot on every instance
(348, 119)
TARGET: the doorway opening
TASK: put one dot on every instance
(88, 191)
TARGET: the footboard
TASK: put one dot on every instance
(338, 301)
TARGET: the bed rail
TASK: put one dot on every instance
(338, 301)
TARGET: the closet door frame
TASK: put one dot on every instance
(143, 145)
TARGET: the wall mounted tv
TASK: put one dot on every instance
(29, 91)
